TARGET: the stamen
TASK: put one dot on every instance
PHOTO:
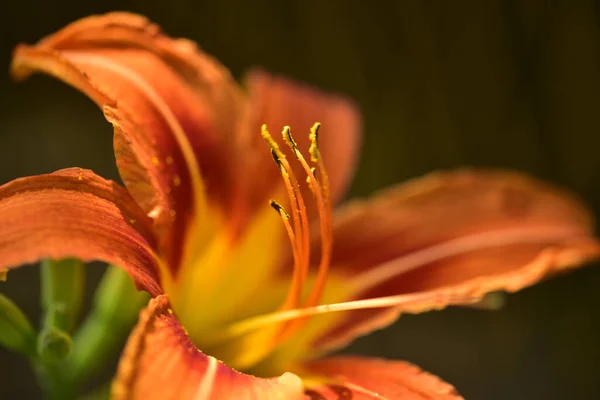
(327, 238)
(301, 239)
(293, 297)
(321, 194)
(299, 236)
(315, 156)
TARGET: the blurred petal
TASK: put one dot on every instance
(165, 128)
(75, 213)
(160, 362)
(368, 378)
(451, 238)
(278, 102)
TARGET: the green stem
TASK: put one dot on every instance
(63, 284)
(62, 287)
(63, 365)
(116, 306)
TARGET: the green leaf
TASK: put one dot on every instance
(16, 333)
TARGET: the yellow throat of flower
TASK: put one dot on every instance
(231, 276)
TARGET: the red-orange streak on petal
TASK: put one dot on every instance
(355, 378)
(160, 362)
(456, 235)
(140, 79)
(75, 213)
(278, 102)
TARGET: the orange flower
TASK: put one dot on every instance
(194, 227)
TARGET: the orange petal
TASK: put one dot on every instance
(278, 102)
(75, 213)
(160, 362)
(368, 379)
(168, 103)
(451, 238)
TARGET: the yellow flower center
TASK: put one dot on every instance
(232, 297)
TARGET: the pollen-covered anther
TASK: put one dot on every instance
(276, 152)
(313, 136)
(289, 140)
(279, 208)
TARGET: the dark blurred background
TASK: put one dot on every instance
(442, 84)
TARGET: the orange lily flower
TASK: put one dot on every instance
(268, 293)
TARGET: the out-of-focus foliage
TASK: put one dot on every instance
(442, 83)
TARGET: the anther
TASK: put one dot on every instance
(276, 158)
(289, 140)
(314, 142)
(276, 153)
(279, 208)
